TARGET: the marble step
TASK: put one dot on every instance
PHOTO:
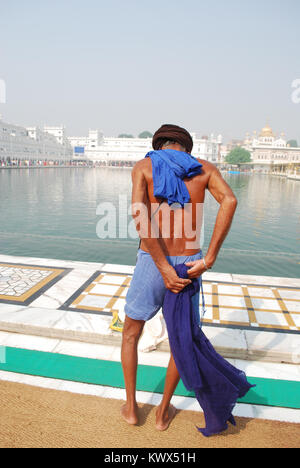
(92, 328)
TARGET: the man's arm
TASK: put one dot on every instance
(221, 191)
(141, 213)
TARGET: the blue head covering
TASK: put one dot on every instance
(170, 167)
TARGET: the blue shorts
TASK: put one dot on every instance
(147, 290)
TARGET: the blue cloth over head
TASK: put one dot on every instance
(216, 383)
(169, 168)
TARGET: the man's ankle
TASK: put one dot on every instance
(131, 404)
(163, 408)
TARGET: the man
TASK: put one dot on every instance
(158, 255)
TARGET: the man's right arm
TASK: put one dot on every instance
(223, 194)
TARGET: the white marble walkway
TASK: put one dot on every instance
(248, 317)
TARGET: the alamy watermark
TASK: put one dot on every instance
(296, 93)
(2, 91)
(153, 220)
(2, 354)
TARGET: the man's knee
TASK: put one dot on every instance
(132, 331)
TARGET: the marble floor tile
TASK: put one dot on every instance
(219, 277)
(289, 294)
(61, 291)
(105, 289)
(123, 269)
(268, 304)
(293, 306)
(271, 318)
(99, 302)
(234, 315)
(209, 313)
(231, 301)
(266, 280)
(228, 289)
(207, 288)
(124, 293)
(119, 305)
(111, 279)
(296, 318)
(261, 292)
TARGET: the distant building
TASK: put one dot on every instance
(235, 143)
(111, 150)
(59, 134)
(19, 143)
(268, 149)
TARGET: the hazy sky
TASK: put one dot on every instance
(213, 66)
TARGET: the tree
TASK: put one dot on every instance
(145, 134)
(238, 156)
(125, 135)
(293, 143)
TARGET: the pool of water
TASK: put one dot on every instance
(51, 213)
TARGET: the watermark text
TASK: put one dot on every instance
(2, 354)
(296, 93)
(125, 220)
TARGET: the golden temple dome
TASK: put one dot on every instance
(267, 131)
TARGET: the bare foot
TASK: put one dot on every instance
(130, 415)
(164, 420)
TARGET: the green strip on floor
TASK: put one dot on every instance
(269, 392)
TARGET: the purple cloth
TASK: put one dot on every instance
(216, 383)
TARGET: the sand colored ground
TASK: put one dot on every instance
(36, 417)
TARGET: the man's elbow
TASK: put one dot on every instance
(231, 201)
(234, 202)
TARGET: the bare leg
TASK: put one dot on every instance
(129, 356)
(166, 412)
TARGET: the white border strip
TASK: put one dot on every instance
(262, 369)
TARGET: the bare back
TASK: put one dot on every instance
(179, 228)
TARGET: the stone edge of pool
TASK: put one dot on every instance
(43, 317)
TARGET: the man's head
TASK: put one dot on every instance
(172, 136)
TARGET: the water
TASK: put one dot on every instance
(51, 213)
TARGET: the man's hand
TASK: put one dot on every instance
(197, 269)
(172, 280)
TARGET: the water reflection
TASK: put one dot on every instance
(52, 213)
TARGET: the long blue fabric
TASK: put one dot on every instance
(216, 383)
(169, 168)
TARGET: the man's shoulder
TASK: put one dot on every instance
(206, 164)
(208, 167)
(141, 166)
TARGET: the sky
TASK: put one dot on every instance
(124, 66)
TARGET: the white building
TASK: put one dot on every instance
(208, 148)
(90, 143)
(59, 134)
(110, 150)
(19, 143)
(268, 149)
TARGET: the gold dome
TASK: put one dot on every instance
(267, 132)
